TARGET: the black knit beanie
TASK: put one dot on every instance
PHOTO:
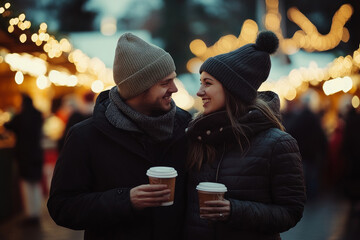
(243, 70)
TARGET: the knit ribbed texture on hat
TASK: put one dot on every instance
(243, 70)
(139, 65)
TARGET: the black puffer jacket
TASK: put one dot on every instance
(265, 186)
(98, 166)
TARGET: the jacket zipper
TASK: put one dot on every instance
(219, 164)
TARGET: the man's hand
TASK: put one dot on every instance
(149, 195)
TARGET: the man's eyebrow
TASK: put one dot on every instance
(169, 78)
(166, 80)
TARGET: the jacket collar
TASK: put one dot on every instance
(215, 128)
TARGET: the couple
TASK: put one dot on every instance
(100, 183)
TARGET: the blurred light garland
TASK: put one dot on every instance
(89, 70)
(343, 69)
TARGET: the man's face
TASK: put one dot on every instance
(156, 100)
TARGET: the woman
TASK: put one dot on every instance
(239, 141)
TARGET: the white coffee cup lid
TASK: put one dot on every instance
(161, 172)
(211, 187)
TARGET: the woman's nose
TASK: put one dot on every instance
(200, 92)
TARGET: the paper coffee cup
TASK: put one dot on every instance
(163, 175)
(209, 191)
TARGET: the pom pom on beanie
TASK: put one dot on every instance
(243, 70)
(267, 41)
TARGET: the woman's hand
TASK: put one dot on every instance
(218, 210)
(149, 195)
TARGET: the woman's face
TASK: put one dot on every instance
(212, 93)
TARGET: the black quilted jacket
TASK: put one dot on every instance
(98, 166)
(265, 186)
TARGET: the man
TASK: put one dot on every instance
(100, 183)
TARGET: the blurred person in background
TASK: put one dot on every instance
(83, 111)
(27, 126)
(336, 159)
(100, 183)
(351, 152)
(305, 126)
(239, 141)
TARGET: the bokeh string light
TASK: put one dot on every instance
(90, 73)
(340, 75)
(89, 70)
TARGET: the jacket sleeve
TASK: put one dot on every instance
(287, 192)
(73, 203)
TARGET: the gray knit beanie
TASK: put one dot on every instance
(138, 65)
(243, 70)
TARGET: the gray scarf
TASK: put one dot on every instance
(124, 117)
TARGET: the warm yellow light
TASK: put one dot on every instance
(272, 22)
(226, 43)
(193, 65)
(346, 10)
(46, 37)
(72, 81)
(96, 66)
(27, 24)
(11, 29)
(23, 38)
(4, 117)
(108, 26)
(272, 3)
(42, 36)
(198, 47)
(19, 77)
(289, 46)
(249, 31)
(97, 86)
(26, 63)
(43, 56)
(347, 84)
(22, 17)
(295, 78)
(38, 42)
(34, 37)
(2, 10)
(291, 94)
(356, 57)
(346, 35)
(42, 82)
(65, 45)
(43, 26)
(22, 26)
(54, 127)
(355, 101)
(7, 5)
(182, 97)
(336, 85)
(62, 78)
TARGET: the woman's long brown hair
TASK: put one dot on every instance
(199, 152)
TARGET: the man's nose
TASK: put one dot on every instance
(173, 88)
